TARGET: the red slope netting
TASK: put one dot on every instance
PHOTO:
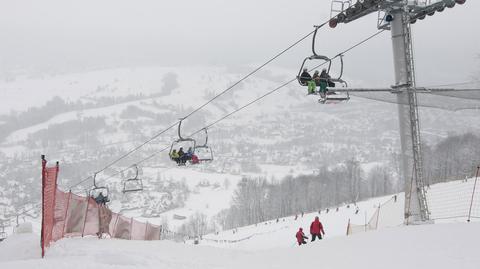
(69, 215)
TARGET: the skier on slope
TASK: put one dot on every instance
(300, 237)
(316, 229)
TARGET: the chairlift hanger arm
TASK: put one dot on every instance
(180, 138)
(95, 180)
(136, 171)
(206, 137)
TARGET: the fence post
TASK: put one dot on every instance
(160, 233)
(86, 214)
(378, 217)
(66, 212)
(115, 227)
(473, 194)
(145, 235)
(131, 228)
(365, 220)
(42, 239)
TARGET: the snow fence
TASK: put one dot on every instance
(388, 214)
(65, 214)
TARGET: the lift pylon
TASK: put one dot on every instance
(397, 15)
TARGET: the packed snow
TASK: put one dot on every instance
(272, 244)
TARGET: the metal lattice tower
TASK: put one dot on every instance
(397, 15)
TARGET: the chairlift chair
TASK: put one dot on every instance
(133, 184)
(190, 142)
(315, 56)
(204, 152)
(331, 96)
(97, 190)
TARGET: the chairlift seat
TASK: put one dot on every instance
(96, 190)
(133, 184)
(204, 153)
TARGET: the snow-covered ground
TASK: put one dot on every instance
(429, 246)
(273, 234)
(272, 244)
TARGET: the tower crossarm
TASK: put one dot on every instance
(397, 90)
(416, 9)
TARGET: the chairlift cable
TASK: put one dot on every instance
(222, 118)
(246, 105)
(205, 104)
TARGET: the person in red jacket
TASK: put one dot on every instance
(195, 159)
(316, 229)
(301, 237)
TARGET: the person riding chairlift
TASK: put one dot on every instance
(323, 82)
(306, 80)
(174, 156)
(101, 199)
(195, 159)
(188, 155)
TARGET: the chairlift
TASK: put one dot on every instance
(133, 184)
(331, 96)
(204, 152)
(315, 56)
(99, 193)
(190, 142)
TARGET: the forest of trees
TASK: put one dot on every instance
(256, 199)
(455, 157)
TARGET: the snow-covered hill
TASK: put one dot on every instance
(442, 246)
(104, 113)
(272, 244)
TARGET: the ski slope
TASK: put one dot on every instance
(272, 244)
(429, 246)
(273, 234)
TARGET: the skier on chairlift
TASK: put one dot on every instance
(181, 156)
(195, 159)
(323, 82)
(101, 199)
(307, 80)
(174, 156)
(189, 154)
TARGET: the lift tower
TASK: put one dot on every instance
(397, 16)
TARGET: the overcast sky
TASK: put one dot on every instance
(86, 34)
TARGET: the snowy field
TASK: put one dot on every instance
(430, 246)
(273, 234)
(272, 244)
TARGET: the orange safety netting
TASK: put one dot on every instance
(65, 214)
